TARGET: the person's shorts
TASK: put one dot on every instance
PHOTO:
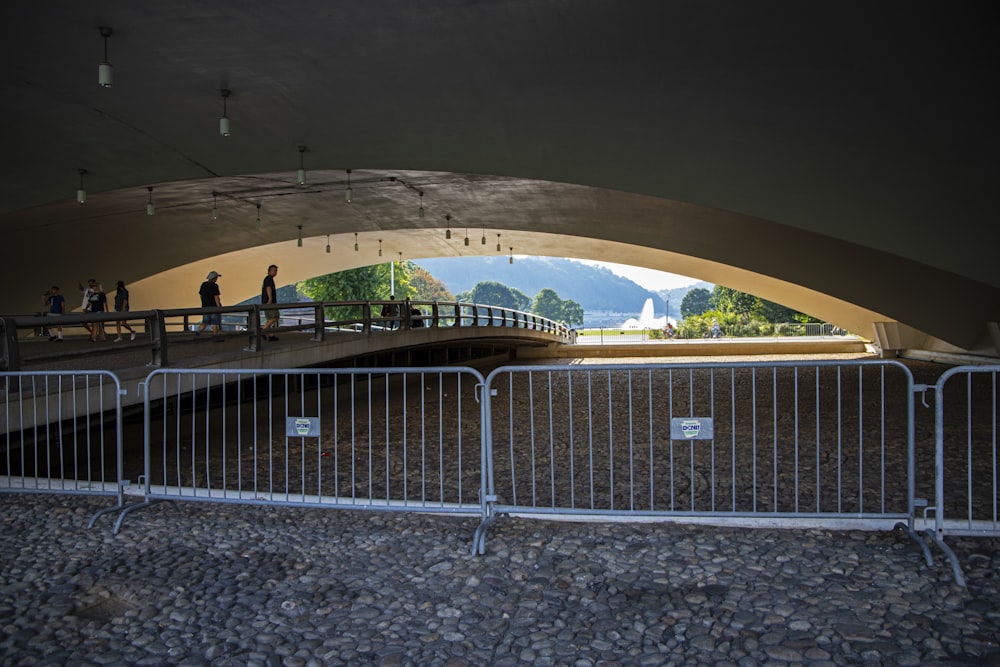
(272, 314)
(213, 318)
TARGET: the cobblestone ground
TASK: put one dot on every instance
(200, 584)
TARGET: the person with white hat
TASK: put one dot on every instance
(211, 297)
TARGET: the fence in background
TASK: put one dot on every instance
(24, 338)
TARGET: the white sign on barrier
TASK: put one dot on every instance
(302, 427)
(691, 428)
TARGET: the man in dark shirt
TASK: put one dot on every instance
(211, 297)
(269, 294)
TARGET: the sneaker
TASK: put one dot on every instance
(59, 340)
(133, 335)
(272, 338)
(117, 340)
(52, 338)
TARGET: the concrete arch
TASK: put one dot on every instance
(840, 162)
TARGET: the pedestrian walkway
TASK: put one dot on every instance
(227, 585)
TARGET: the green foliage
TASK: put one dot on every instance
(739, 315)
(548, 304)
(695, 302)
(572, 313)
(496, 294)
(366, 283)
(728, 300)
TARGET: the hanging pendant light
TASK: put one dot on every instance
(466, 236)
(483, 241)
(105, 72)
(447, 229)
(420, 211)
(355, 241)
(347, 193)
(380, 247)
(511, 256)
(302, 167)
(258, 216)
(150, 210)
(224, 121)
(215, 207)
(327, 244)
(81, 194)
(498, 243)
(300, 236)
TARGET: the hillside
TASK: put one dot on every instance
(598, 290)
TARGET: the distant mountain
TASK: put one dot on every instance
(598, 290)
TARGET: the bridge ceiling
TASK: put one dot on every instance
(837, 158)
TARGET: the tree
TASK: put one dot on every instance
(573, 313)
(492, 293)
(548, 304)
(426, 287)
(366, 283)
(695, 302)
(728, 300)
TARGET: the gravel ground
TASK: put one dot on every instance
(228, 585)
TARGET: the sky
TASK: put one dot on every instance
(648, 278)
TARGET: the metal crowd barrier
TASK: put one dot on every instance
(62, 433)
(817, 444)
(967, 455)
(707, 441)
(374, 439)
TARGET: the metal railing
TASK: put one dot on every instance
(373, 439)
(161, 327)
(967, 455)
(703, 440)
(62, 434)
(806, 444)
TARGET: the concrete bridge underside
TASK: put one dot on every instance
(836, 159)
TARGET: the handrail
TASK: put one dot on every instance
(245, 320)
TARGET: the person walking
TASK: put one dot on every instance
(269, 295)
(56, 303)
(88, 292)
(98, 304)
(121, 306)
(211, 297)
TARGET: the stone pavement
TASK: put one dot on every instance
(200, 584)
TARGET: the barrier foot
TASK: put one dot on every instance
(956, 568)
(129, 508)
(921, 543)
(100, 513)
(479, 539)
